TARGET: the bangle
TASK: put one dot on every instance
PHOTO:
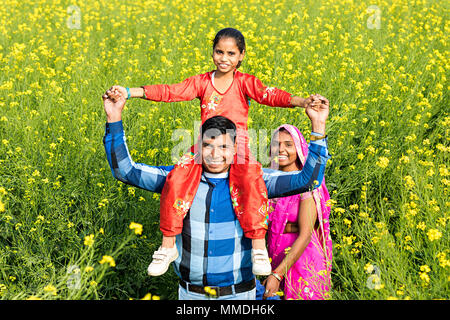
(314, 138)
(129, 93)
(278, 276)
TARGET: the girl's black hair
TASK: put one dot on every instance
(231, 33)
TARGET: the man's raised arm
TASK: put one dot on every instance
(122, 165)
(282, 184)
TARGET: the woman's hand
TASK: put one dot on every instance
(117, 91)
(272, 286)
(317, 111)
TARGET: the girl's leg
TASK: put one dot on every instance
(259, 244)
(176, 198)
(249, 196)
(168, 242)
(178, 193)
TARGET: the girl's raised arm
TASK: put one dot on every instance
(270, 96)
(187, 90)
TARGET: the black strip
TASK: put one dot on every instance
(205, 245)
(115, 165)
(186, 250)
(221, 291)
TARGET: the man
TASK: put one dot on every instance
(215, 255)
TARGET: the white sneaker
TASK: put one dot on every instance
(161, 260)
(261, 262)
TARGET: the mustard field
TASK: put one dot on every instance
(69, 230)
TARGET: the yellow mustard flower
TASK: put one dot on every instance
(89, 240)
(109, 260)
(434, 234)
(51, 289)
(137, 227)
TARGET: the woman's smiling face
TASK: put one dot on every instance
(283, 147)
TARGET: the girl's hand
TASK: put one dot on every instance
(315, 100)
(306, 102)
(272, 286)
(115, 92)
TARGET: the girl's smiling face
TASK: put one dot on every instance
(226, 55)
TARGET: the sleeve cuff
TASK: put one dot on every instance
(322, 142)
(114, 127)
(145, 94)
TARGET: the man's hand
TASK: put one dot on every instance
(113, 103)
(317, 110)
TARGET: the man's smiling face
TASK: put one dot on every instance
(217, 153)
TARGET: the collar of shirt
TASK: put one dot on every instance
(222, 175)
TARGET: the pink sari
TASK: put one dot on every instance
(310, 277)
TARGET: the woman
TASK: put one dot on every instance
(299, 241)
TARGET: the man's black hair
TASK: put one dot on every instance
(218, 125)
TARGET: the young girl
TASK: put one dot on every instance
(224, 91)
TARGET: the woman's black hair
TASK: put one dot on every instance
(231, 33)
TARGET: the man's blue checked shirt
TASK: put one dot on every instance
(213, 249)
